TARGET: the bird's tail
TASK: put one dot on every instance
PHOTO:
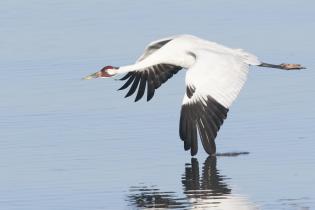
(248, 57)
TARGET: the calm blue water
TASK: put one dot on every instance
(73, 144)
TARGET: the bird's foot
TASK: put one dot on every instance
(291, 66)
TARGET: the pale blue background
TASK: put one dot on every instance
(73, 144)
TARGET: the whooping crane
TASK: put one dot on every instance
(214, 77)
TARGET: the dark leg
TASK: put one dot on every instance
(284, 66)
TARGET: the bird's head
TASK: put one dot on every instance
(107, 71)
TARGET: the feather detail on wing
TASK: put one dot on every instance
(152, 77)
(212, 84)
(205, 115)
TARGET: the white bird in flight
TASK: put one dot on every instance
(214, 77)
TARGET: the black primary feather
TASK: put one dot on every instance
(206, 116)
(152, 77)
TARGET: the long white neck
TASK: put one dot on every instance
(128, 68)
(161, 57)
(138, 66)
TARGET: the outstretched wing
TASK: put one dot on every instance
(152, 77)
(212, 84)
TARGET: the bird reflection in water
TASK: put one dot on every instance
(152, 197)
(202, 191)
(210, 184)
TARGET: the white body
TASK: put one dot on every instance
(216, 70)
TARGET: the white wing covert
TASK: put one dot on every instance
(154, 46)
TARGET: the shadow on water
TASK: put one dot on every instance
(201, 190)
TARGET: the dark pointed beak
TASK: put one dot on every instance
(91, 76)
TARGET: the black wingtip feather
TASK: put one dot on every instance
(206, 118)
(154, 76)
(133, 86)
(129, 81)
(182, 124)
(142, 85)
(126, 76)
(151, 89)
(194, 139)
(186, 146)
